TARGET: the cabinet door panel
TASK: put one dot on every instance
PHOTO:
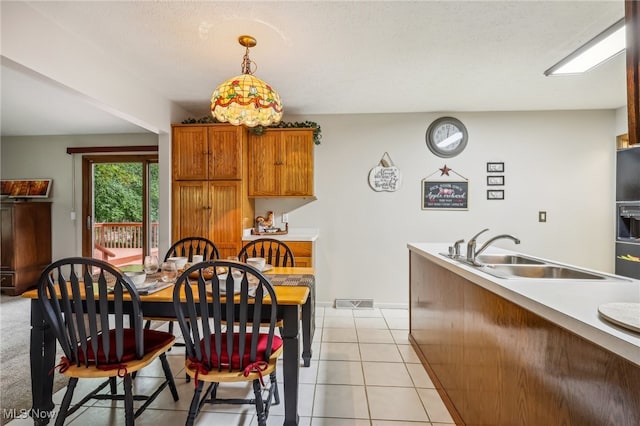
(190, 153)
(225, 146)
(297, 171)
(264, 164)
(191, 210)
(225, 224)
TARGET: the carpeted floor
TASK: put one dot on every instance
(15, 376)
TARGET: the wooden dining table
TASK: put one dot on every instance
(291, 300)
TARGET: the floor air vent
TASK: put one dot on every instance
(354, 303)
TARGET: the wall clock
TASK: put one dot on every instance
(447, 137)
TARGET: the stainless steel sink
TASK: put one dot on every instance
(507, 259)
(540, 272)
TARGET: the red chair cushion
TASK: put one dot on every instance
(153, 339)
(235, 357)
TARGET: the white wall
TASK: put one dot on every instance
(561, 162)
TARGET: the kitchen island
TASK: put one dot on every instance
(523, 350)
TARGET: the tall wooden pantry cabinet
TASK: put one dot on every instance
(25, 232)
(209, 184)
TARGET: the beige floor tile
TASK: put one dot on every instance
(367, 313)
(305, 374)
(100, 416)
(392, 403)
(305, 401)
(395, 313)
(340, 373)
(436, 409)
(379, 352)
(408, 354)
(274, 420)
(398, 323)
(327, 421)
(419, 376)
(378, 323)
(386, 374)
(333, 312)
(339, 322)
(371, 335)
(340, 401)
(401, 337)
(339, 335)
(337, 351)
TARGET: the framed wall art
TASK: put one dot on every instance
(26, 188)
(495, 194)
(495, 167)
(495, 180)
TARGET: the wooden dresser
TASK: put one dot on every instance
(26, 244)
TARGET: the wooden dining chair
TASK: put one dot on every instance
(218, 354)
(275, 252)
(187, 247)
(83, 302)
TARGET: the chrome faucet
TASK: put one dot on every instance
(474, 254)
(471, 246)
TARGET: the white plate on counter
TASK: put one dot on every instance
(625, 315)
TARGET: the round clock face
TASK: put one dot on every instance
(446, 137)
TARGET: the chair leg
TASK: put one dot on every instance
(66, 401)
(147, 325)
(169, 376)
(113, 385)
(274, 382)
(195, 403)
(128, 401)
(257, 391)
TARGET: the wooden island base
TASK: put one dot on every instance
(496, 363)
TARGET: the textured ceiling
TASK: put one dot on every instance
(347, 57)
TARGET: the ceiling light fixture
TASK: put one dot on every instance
(245, 99)
(599, 49)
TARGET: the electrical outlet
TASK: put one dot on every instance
(285, 217)
(542, 216)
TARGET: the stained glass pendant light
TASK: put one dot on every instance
(245, 99)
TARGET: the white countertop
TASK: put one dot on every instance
(569, 303)
(294, 234)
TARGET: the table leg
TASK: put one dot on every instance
(42, 352)
(308, 326)
(291, 362)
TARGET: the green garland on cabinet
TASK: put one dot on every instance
(259, 130)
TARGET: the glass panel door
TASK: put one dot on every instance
(120, 208)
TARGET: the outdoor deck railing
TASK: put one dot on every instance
(123, 234)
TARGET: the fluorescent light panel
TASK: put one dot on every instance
(599, 49)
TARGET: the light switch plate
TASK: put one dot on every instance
(542, 216)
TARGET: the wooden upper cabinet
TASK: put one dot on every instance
(207, 152)
(281, 163)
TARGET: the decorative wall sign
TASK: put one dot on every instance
(385, 176)
(445, 195)
(442, 194)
